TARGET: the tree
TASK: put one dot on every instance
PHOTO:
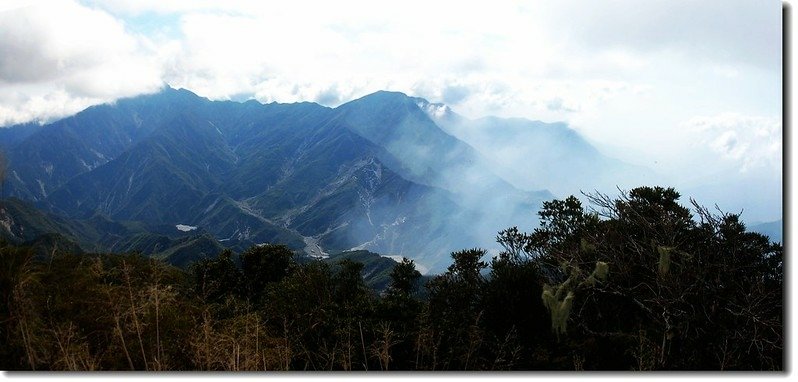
(467, 266)
(453, 335)
(216, 279)
(683, 292)
(400, 309)
(263, 264)
(349, 287)
(404, 278)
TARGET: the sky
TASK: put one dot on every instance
(690, 89)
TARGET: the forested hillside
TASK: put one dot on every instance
(633, 282)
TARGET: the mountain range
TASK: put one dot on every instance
(539, 155)
(169, 172)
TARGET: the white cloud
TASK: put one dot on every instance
(750, 142)
(742, 31)
(481, 58)
(57, 57)
(43, 105)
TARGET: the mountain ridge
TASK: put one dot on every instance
(377, 173)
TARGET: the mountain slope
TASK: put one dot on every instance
(156, 180)
(246, 173)
(22, 223)
(427, 153)
(375, 174)
(416, 148)
(87, 140)
(10, 136)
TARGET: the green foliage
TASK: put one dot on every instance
(216, 279)
(348, 282)
(264, 264)
(515, 319)
(376, 269)
(517, 245)
(468, 265)
(562, 224)
(404, 278)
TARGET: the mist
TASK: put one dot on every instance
(500, 170)
(468, 202)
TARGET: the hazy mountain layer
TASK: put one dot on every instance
(386, 173)
(374, 174)
(534, 155)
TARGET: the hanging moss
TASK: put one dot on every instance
(602, 270)
(548, 297)
(559, 309)
(559, 300)
(599, 273)
(664, 259)
(586, 247)
(560, 314)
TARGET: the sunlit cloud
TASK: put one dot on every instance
(750, 142)
(59, 57)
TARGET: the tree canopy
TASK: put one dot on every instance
(633, 282)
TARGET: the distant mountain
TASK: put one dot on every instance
(22, 223)
(312, 177)
(427, 153)
(85, 141)
(417, 149)
(10, 136)
(384, 173)
(773, 230)
(535, 155)
(376, 268)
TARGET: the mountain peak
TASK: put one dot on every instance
(436, 111)
(384, 100)
(167, 95)
(168, 91)
(383, 97)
